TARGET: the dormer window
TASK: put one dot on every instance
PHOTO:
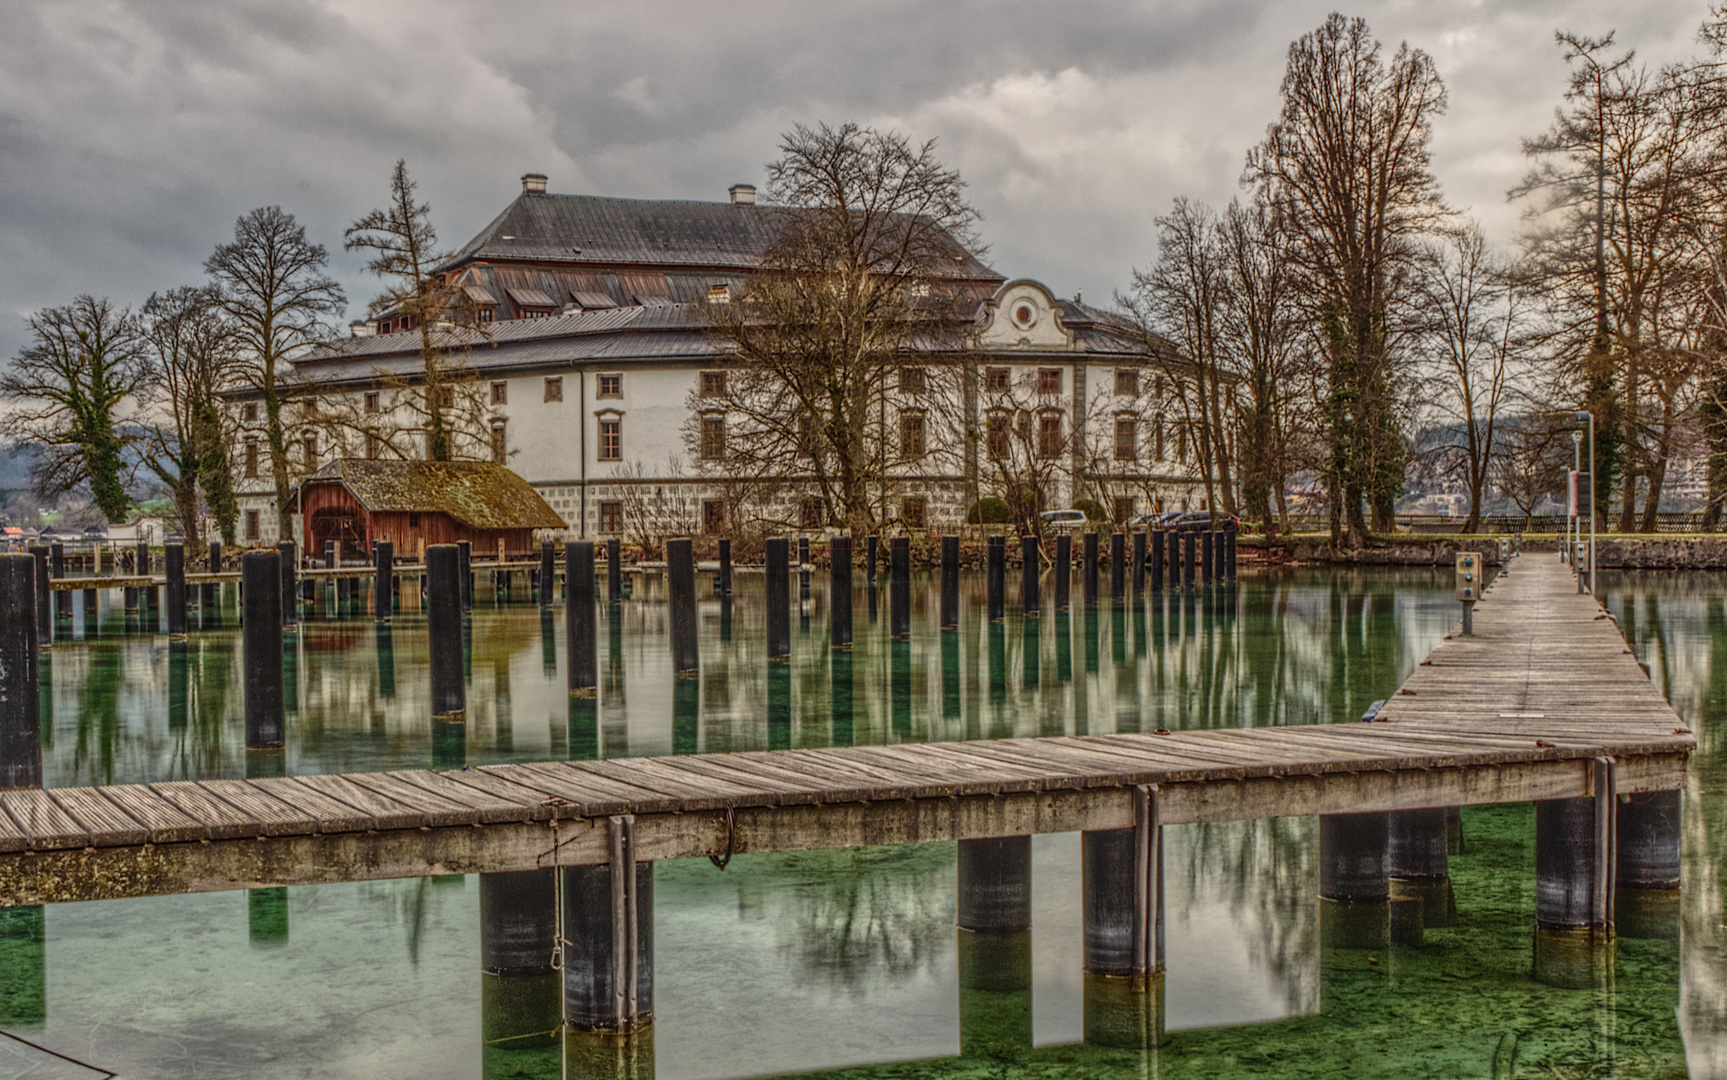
(719, 294)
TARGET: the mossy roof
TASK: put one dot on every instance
(479, 494)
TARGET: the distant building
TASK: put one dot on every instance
(410, 504)
(586, 336)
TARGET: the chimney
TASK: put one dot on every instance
(533, 183)
(743, 194)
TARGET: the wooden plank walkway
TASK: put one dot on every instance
(1516, 712)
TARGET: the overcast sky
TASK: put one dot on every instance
(133, 134)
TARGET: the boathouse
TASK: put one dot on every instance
(355, 501)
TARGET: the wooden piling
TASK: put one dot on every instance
(1063, 570)
(1187, 559)
(548, 573)
(681, 580)
(1158, 559)
(44, 613)
(261, 590)
(1117, 567)
(444, 629)
(899, 590)
(581, 624)
(840, 592)
(1088, 568)
(995, 574)
(1031, 560)
(803, 568)
(778, 602)
(1138, 573)
(383, 579)
(465, 562)
(950, 583)
(872, 553)
(20, 700)
(174, 561)
(614, 572)
(290, 583)
(725, 566)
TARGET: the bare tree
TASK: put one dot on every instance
(76, 385)
(196, 358)
(1529, 461)
(443, 396)
(1470, 335)
(866, 278)
(272, 284)
(1347, 166)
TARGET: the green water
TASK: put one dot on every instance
(846, 961)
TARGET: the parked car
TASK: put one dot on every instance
(1153, 519)
(1199, 521)
(1064, 519)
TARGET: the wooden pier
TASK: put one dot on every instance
(1525, 709)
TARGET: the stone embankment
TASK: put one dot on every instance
(1612, 552)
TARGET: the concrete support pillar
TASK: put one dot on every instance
(1647, 904)
(995, 948)
(609, 938)
(1574, 878)
(1122, 886)
(1354, 881)
(1419, 865)
(520, 996)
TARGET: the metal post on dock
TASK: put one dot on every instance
(44, 613)
(778, 600)
(840, 592)
(261, 591)
(465, 560)
(1158, 559)
(1030, 563)
(289, 585)
(1063, 570)
(681, 584)
(548, 572)
(1088, 568)
(1574, 884)
(1117, 567)
(725, 566)
(174, 562)
(899, 586)
(581, 624)
(995, 948)
(20, 653)
(614, 572)
(950, 583)
(995, 574)
(1122, 889)
(444, 628)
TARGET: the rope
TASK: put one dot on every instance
(62, 1057)
(731, 838)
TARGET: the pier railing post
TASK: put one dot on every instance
(581, 624)
(681, 584)
(778, 598)
(20, 654)
(261, 587)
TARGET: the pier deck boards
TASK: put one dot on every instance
(1514, 713)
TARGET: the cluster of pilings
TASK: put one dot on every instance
(1606, 866)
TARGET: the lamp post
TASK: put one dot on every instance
(1580, 416)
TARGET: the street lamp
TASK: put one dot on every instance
(1581, 415)
(1577, 505)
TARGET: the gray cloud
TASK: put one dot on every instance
(133, 134)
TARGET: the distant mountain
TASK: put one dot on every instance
(15, 467)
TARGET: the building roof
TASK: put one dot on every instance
(607, 232)
(479, 494)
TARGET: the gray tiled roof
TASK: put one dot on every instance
(600, 231)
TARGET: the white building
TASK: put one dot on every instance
(587, 365)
